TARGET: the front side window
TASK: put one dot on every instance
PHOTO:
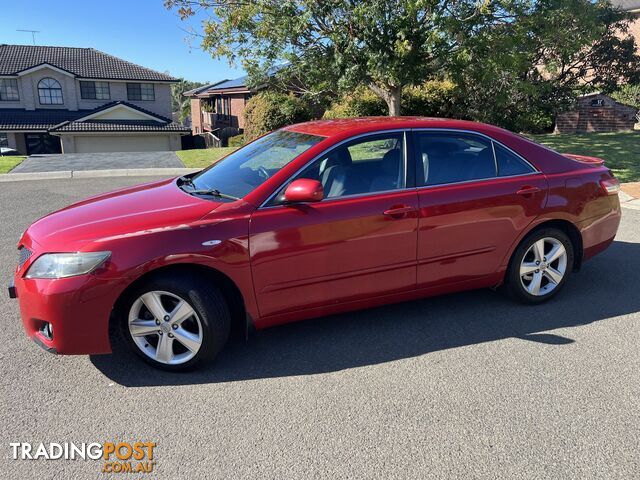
(453, 157)
(140, 91)
(368, 165)
(247, 168)
(50, 92)
(9, 90)
(95, 90)
(4, 140)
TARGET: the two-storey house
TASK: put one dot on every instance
(218, 108)
(66, 100)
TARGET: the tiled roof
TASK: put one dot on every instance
(65, 121)
(107, 106)
(19, 119)
(119, 126)
(81, 62)
(626, 5)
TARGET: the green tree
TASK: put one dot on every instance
(333, 46)
(505, 51)
(180, 103)
(528, 62)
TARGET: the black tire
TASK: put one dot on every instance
(513, 283)
(205, 299)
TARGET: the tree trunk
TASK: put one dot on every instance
(392, 96)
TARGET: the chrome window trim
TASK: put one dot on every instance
(464, 182)
(404, 131)
(417, 188)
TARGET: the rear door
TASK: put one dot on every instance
(475, 197)
(358, 242)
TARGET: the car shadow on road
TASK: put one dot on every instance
(605, 288)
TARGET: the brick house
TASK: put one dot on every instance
(218, 109)
(596, 112)
(632, 7)
(62, 99)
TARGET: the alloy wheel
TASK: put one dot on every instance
(543, 266)
(165, 327)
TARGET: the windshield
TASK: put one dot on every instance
(246, 168)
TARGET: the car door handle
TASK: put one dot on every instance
(399, 210)
(528, 190)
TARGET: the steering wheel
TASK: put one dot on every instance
(263, 172)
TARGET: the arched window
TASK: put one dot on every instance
(50, 92)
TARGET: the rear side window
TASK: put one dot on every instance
(509, 163)
(453, 157)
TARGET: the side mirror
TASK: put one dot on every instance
(304, 190)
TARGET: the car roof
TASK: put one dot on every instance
(354, 126)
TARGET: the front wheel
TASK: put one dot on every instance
(540, 266)
(175, 322)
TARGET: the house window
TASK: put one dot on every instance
(95, 90)
(223, 105)
(4, 140)
(9, 89)
(50, 92)
(140, 91)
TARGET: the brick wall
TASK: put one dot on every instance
(596, 113)
(237, 109)
(196, 116)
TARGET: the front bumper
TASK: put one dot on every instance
(78, 308)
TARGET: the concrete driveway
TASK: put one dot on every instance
(463, 386)
(97, 161)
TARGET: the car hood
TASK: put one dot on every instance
(131, 210)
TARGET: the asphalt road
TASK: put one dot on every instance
(464, 386)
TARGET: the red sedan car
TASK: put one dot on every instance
(313, 219)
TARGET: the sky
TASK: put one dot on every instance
(140, 31)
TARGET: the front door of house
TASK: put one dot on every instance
(39, 143)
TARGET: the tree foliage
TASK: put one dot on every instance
(513, 61)
(180, 103)
(269, 111)
(520, 71)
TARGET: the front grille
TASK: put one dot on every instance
(23, 255)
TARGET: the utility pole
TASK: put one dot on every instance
(32, 32)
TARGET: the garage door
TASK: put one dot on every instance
(107, 143)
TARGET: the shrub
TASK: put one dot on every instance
(433, 99)
(269, 111)
(362, 102)
(236, 141)
(629, 95)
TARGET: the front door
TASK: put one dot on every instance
(476, 196)
(40, 143)
(359, 242)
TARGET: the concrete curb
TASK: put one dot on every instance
(69, 174)
(628, 201)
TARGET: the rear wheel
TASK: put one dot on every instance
(175, 322)
(540, 266)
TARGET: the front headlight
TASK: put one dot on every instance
(61, 265)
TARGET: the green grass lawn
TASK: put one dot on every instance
(203, 157)
(9, 162)
(620, 150)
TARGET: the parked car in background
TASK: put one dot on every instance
(5, 152)
(313, 219)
